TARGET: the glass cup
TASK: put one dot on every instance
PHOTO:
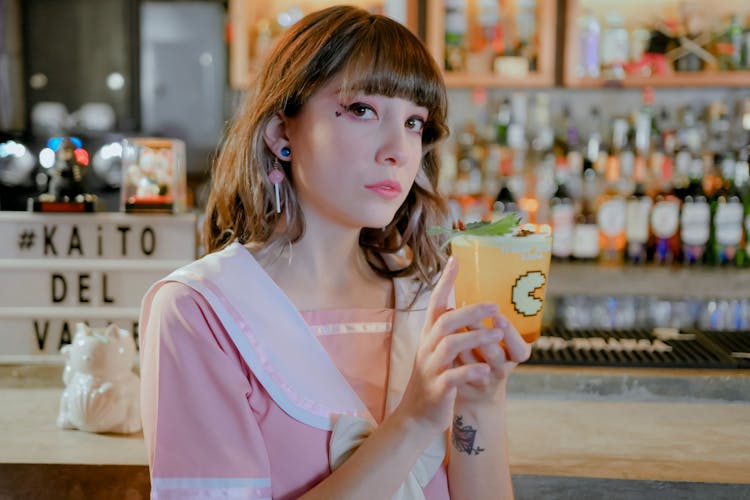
(510, 270)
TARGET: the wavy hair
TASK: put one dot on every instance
(373, 54)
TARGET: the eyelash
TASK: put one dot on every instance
(417, 119)
(357, 107)
(354, 107)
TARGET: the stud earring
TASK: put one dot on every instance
(285, 152)
(276, 176)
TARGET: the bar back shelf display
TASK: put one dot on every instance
(659, 43)
(254, 26)
(508, 43)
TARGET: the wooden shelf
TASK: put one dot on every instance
(458, 80)
(245, 14)
(639, 12)
(543, 77)
(658, 281)
(702, 79)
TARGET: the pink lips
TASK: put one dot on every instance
(387, 189)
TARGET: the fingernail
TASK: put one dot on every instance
(496, 335)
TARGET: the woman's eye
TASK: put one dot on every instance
(361, 110)
(415, 124)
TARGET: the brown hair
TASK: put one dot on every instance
(374, 55)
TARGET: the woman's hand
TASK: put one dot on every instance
(438, 370)
(501, 361)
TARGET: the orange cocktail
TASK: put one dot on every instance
(510, 270)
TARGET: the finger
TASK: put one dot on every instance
(469, 357)
(451, 346)
(493, 354)
(442, 291)
(473, 355)
(460, 319)
(518, 350)
(464, 374)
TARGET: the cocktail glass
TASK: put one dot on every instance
(510, 270)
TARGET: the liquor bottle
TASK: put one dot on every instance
(503, 155)
(645, 125)
(490, 34)
(695, 219)
(667, 132)
(502, 122)
(615, 47)
(740, 128)
(470, 158)
(596, 148)
(542, 157)
(742, 183)
(590, 31)
(620, 130)
(563, 123)
(691, 133)
(662, 154)
(574, 163)
(523, 164)
(683, 161)
(562, 216)
(455, 35)
(692, 138)
(585, 234)
(610, 215)
(726, 216)
(591, 179)
(729, 46)
(540, 128)
(528, 202)
(736, 40)
(505, 202)
(719, 126)
(637, 212)
(526, 28)
(517, 131)
(627, 162)
(594, 139)
(590, 182)
(665, 225)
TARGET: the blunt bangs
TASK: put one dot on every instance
(374, 54)
(392, 62)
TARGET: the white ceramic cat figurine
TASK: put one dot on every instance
(101, 390)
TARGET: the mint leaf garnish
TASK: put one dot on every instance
(500, 227)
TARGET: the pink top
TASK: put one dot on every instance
(211, 428)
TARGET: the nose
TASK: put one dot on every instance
(393, 146)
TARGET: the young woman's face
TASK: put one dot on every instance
(354, 160)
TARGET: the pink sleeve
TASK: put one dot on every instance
(201, 434)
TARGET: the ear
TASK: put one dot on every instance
(275, 136)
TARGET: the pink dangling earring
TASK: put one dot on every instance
(276, 176)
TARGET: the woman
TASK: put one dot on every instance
(313, 353)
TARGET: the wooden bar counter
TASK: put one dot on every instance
(575, 433)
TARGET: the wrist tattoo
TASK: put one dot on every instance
(463, 437)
